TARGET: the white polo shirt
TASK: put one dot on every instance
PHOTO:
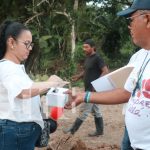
(14, 79)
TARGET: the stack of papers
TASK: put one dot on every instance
(115, 79)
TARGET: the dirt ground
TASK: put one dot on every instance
(113, 131)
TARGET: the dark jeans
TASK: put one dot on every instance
(18, 136)
(126, 145)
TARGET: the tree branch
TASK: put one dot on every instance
(65, 14)
(42, 2)
(32, 18)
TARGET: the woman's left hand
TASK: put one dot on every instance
(58, 82)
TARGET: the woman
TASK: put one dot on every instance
(20, 117)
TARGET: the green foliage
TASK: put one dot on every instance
(79, 55)
(43, 41)
(50, 22)
(38, 77)
(78, 84)
(127, 49)
(67, 70)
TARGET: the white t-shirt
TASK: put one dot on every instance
(137, 115)
(136, 60)
(13, 79)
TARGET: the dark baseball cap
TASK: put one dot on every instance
(137, 5)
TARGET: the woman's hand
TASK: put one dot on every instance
(54, 78)
(57, 81)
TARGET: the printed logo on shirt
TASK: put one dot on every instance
(139, 105)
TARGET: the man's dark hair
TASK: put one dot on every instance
(89, 42)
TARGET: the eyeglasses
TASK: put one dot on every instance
(28, 44)
(130, 19)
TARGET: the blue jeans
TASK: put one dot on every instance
(18, 136)
(126, 145)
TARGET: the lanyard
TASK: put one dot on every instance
(142, 68)
(140, 74)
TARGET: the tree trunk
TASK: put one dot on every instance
(73, 36)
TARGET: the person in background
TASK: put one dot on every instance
(94, 67)
(136, 90)
(20, 116)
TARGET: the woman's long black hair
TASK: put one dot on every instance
(9, 29)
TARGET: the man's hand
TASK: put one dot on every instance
(74, 100)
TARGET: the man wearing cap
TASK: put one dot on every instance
(137, 87)
(139, 8)
(94, 67)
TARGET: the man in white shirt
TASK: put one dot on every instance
(136, 61)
